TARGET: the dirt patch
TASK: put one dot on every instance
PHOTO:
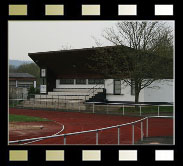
(15, 126)
(24, 130)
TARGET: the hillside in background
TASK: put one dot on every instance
(17, 66)
(17, 63)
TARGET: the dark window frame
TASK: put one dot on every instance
(66, 81)
(132, 88)
(80, 81)
(114, 92)
(92, 80)
(96, 81)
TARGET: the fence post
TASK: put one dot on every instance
(147, 127)
(55, 101)
(93, 107)
(65, 104)
(34, 98)
(16, 99)
(132, 134)
(52, 99)
(118, 135)
(96, 137)
(158, 110)
(46, 100)
(123, 109)
(64, 140)
(93, 91)
(58, 101)
(140, 110)
(142, 131)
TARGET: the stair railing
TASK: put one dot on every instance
(94, 89)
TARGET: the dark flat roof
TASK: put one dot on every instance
(21, 75)
(70, 63)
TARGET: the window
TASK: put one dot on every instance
(117, 87)
(99, 81)
(67, 81)
(81, 81)
(24, 85)
(95, 81)
(132, 87)
(91, 81)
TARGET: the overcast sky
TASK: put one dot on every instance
(39, 36)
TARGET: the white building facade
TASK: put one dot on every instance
(116, 90)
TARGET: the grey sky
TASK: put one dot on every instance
(39, 36)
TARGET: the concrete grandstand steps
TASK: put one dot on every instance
(32, 100)
(69, 105)
(99, 97)
(76, 105)
(70, 93)
(86, 90)
(63, 97)
(76, 92)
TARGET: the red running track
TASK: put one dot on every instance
(74, 122)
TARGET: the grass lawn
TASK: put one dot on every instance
(149, 109)
(23, 118)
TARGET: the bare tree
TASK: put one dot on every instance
(140, 35)
(143, 53)
(66, 47)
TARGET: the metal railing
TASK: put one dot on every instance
(101, 129)
(62, 102)
(94, 89)
(127, 105)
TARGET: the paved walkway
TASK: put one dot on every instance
(157, 140)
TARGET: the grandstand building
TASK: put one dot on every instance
(65, 73)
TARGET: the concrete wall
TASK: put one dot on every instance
(18, 93)
(160, 91)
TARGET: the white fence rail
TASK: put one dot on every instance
(100, 129)
(61, 102)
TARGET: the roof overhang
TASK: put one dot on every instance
(70, 63)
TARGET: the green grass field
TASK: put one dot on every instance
(22, 118)
(14, 103)
(149, 109)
